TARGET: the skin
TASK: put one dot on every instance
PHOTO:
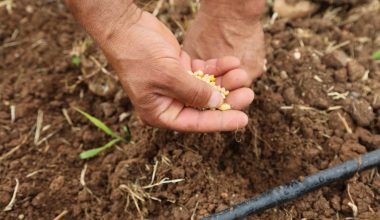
(152, 68)
(225, 27)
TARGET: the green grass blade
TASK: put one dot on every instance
(93, 152)
(98, 123)
(376, 55)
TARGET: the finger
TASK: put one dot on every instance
(234, 79)
(192, 120)
(188, 89)
(216, 66)
(240, 98)
(221, 66)
(198, 65)
(185, 60)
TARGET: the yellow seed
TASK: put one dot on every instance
(212, 78)
(224, 107)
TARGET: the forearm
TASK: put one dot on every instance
(238, 9)
(101, 18)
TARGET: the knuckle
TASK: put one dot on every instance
(168, 79)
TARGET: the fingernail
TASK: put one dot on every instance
(216, 99)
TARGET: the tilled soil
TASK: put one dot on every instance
(317, 105)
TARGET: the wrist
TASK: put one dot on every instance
(103, 18)
(236, 9)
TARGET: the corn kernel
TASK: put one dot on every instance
(224, 107)
(212, 78)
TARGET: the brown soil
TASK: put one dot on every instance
(317, 105)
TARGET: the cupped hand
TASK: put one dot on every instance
(152, 68)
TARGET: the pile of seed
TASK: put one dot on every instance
(211, 80)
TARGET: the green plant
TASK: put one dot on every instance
(75, 60)
(376, 55)
(101, 125)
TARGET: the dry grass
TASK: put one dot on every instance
(352, 204)
(60, 216)
(13, 150)
(140, 195)
(345, 123)
(8, 4)
(37, 134)
(9, 207)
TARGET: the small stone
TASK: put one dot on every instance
(57, 183)
(376, 100)
(29, 9)
(355, 70)
(336, 59)
(108, 109)
(224, 195)
(102, 85)
(284, 75)
(362, 112)
(297, 55)
(341, 75)
(296, 10)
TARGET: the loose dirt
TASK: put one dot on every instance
(317, 105)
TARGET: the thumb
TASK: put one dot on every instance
(194, 92)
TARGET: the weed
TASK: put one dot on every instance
(78, 50)
(376, 55)
(75, 60)
(101, 125)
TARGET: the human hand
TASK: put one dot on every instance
(153, 70)
(225, 27)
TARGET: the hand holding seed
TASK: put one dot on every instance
(153, 69)
(211, 80)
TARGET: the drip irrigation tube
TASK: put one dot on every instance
(298, 188)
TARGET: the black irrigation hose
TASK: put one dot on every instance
(298, 188)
